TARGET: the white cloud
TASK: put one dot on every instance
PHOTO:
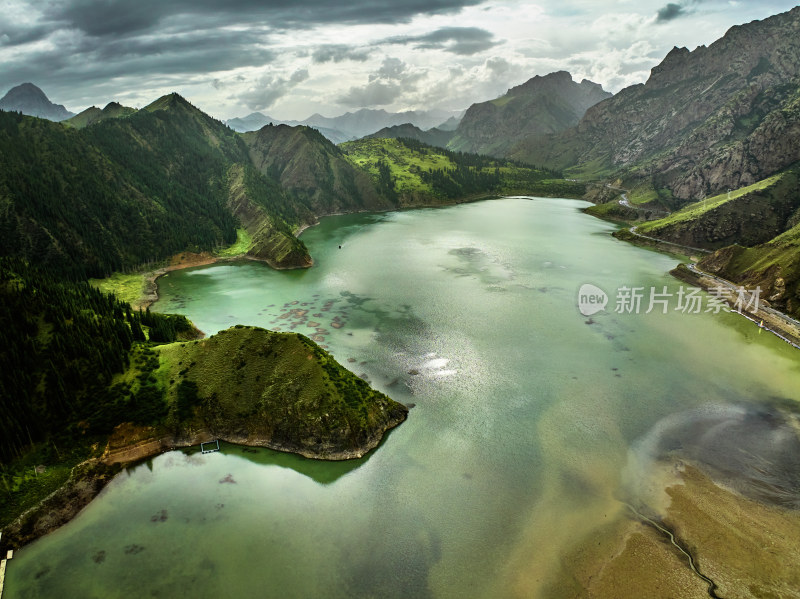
(231, 58)
(269, 88)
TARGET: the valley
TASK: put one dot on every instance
(379, 318)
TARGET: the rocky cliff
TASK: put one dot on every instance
(716, 118)
(539, 106)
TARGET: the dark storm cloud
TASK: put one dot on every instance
(88, 59)
(13, 35)
(122, 17)
(339, 53)
(464, 41)
(669, 12)
(89, 41)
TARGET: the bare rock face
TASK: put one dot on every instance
(718, 117)
(539, 106)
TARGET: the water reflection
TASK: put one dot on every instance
(752, 448)
(320, 471)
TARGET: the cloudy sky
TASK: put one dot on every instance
(291, 58)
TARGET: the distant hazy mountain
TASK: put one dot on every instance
(432, 137)
(252, 122)
(450, 124)
(539, 106)
(256, 120)
(348, 126)
(29, 99)
(366, 121)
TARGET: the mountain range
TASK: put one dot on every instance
(718, 118)
(707, 122)
(109, 190)
(351, 125)
(541, 105)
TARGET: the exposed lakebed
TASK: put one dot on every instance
(533, 424)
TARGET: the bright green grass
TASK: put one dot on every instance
(402, 161)
(240, 246)
(127, 287)
(784, 251)
(406, 164)
(130, 287)
(642, 194)
(696, 210)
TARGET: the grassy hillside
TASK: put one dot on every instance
(774, 266)
(75, 363)
(313, 172)
(748, 216)
(276, 389)
(132, 190)
(94, 115)
(411, 172)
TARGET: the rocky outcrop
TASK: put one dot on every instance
(539, 106)
(774, 267)
(719, 117)
(748, 219)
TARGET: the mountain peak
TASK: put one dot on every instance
(31, 100)
(26, 90)
(168, 101)
(543, 104)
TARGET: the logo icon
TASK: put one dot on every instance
(591, 299)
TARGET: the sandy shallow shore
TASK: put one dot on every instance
(747, 548)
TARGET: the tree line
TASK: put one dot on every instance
(62, 344)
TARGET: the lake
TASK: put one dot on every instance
(532, 424)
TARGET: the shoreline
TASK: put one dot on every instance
(149, 294)
(88, 479)
(765, 317)
(709, 538)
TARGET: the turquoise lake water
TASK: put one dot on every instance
(529, 429)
